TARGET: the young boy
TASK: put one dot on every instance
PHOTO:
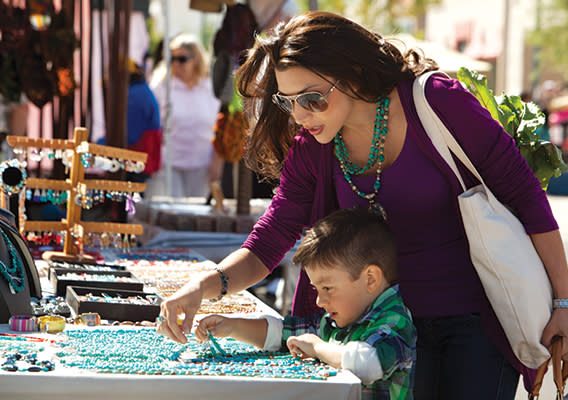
(350, 259)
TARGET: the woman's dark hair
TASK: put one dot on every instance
(366, 65)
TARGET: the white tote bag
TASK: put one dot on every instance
(510, 269)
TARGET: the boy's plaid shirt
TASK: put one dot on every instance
(387, 326)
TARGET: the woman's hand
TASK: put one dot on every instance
(557, 326)
(304, 346)
(241, 268)
(187, 301)
(218, 325)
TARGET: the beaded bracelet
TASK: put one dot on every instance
(560, 303)
(224, 284)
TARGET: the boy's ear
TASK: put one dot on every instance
(374, 276)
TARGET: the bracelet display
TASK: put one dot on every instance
(560, 303)
(224, 284)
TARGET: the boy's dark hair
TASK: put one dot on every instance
(350, 239)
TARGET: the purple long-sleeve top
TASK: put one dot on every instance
(419, 193)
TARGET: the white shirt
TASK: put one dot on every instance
(192, 117)
(359, 357)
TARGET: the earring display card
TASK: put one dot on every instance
(117, 305)
(118, 280)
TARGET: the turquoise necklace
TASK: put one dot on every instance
(14, 274)
(376, 157)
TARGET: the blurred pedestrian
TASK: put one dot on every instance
(143, 122)
(193, 110)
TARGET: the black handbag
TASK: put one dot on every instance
(13, 250)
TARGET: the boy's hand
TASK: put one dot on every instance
(218, 326)
(304, 346)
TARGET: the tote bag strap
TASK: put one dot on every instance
(559, 371)
(441, 138)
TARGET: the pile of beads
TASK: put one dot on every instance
(143, 351)
(19, 354)
(229, 304)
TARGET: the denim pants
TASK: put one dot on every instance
(456, 361)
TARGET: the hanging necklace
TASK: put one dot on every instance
(14, 274)
(376, 157)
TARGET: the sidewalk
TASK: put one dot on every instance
(559, 206)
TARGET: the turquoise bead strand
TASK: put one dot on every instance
(376, 157)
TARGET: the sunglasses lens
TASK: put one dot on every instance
(181, 59)
(283, 103)
(314, 102)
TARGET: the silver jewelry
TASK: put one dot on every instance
(12, 176)
(560, 303)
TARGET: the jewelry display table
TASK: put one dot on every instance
(192, 214)
(65, 385)
(68, 383)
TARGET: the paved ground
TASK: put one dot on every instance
(560, 208)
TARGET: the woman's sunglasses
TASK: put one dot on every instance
(311, 101)
(181, 59)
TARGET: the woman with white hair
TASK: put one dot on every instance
(192, 116)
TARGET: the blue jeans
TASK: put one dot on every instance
(456, 361)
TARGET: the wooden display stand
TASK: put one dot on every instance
(72, 224)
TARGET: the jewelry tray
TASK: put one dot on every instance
(113, 311)
(60, 285)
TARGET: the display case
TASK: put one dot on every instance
(117, 305)
(118, 280)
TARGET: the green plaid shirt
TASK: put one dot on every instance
(387, 326)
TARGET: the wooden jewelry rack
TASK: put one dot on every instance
(72, 224)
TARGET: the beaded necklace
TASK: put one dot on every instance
(14, 274)
(376, 157)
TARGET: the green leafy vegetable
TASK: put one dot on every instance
(520, 120)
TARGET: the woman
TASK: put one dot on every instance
(192, 116)
(332, 115)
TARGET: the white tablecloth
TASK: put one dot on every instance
(59, 385)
